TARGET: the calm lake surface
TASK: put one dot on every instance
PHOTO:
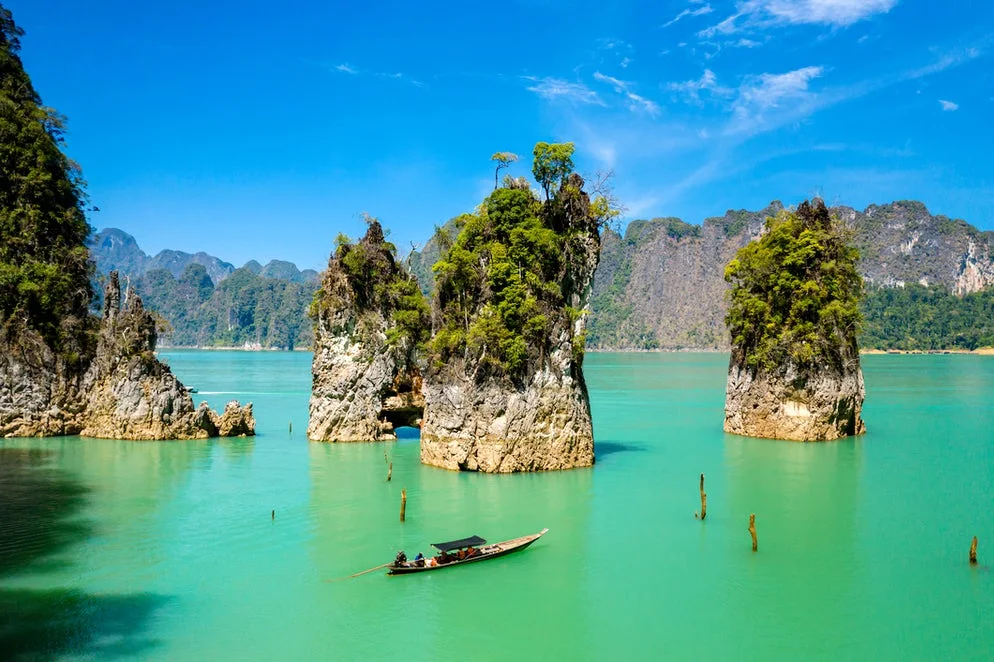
(167, 550)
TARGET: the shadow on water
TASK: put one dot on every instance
(40, 523)
(604, 448)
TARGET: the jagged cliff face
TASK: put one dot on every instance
(121, 391)
(661, 286)
(130, 394)
(482, 414)
(39, 391)
(370, 317)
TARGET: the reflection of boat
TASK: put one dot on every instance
(467, 550)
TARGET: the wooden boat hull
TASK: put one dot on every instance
(498, 549)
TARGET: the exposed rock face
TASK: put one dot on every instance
(799, 407)
(39, 394)
(478, 418)
(130, 394)
(366, 381)
(127, 393)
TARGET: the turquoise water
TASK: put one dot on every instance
(169, 550)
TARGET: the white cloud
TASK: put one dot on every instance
(625, 62)
(769, 90)
(635, 102)
(557, 88)
(767, 13)
(708, 82)
(948, 105)
(746, 43)
(700, 11)
(347, 69)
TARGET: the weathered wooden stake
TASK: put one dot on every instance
(390, 472)
(403, 504)
(752, 532)
(291, 427)
(973, 551)
(274, 515)
(704, 500)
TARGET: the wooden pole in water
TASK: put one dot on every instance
(390, 472)
(291, 427)
(403, 504)
(704, 500)
(274, 515)
(973, 551)
(752, 531)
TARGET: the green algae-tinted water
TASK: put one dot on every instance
(168, 550)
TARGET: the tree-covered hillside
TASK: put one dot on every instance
(915, 317)
(44, 265)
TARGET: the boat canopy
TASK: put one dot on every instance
(458, 544)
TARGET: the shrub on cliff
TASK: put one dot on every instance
(795, 293)
(502, 287)
(44, 262)
(366, 274)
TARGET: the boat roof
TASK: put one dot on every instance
(458, 544)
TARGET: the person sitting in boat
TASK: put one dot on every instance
(419, 560)
(471, 551)
(444, 557)
(401, 558)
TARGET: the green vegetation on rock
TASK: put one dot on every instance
(367, 275)
(795, 293)
(44, 263)
(499, 288)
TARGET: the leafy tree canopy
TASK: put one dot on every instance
(795, 293)
(44, 262)
(553, 162)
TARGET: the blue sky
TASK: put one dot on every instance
(261, 130)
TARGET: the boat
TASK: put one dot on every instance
(471, 549)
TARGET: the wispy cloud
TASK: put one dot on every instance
(760, 14)
(353, 70)
(760, 99)
(692, 89)
(559, 89)
(345, 68)
(635, 101)
(700, 11)
(948, 106)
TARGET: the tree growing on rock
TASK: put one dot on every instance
(793, 317)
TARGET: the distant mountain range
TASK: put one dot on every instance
(116, 249)
(204, 301)
(660, 285)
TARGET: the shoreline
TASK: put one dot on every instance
(980, 351)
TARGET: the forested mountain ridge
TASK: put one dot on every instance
(207, 302)
(661, 285)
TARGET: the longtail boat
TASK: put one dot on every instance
(465, 550)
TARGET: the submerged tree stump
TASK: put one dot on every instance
(752, 531)
(973, 551)
(403, 504)
(704, 502)
(390, 472)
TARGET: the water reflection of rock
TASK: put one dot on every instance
(40, 525)
(806, 498)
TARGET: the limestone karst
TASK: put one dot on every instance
(794, 371)
(370, 320)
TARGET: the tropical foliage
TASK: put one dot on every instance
(499, 286)
(795, 293)
(44, 263)
(367, 275)
(915, 317)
